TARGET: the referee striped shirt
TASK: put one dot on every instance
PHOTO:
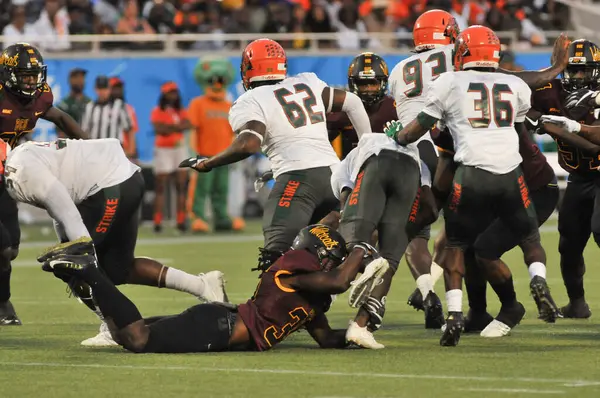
(106, 120)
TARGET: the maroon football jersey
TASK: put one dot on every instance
(338, 123)
(19, 116)
(275, 311)
(549, 100)
(536, 170)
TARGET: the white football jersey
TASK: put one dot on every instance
(294, 114)
(480, 110)
(58, 175)
(410, 80)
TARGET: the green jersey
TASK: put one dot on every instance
(74, 106)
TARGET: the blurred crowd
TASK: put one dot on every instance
(55, 20)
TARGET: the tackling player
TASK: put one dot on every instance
(25, 97)
(295, 292)
(488, 183)
(285, 117)
(91, 189)
(579, 213)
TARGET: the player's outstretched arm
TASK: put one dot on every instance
(336, 100)
(65, 123)
(324, 335)
(560, 59)
(333, 282)
(561, 133)
(248, 141)
(414, 130)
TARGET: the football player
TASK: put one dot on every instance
(295, 292)
(25, 97)
(434, 33)
(368, 78)
(285, 117)
(488, 183)
(90, 189)
(579, 213)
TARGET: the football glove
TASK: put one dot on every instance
(363, 286)
(392, 128)
(570, 125)
(197, 163)
(262, 180)
(581, 98)
(370, 251)
(376, 310)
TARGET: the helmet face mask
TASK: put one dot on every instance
(368, 78)
(22, 69)
(583, 69)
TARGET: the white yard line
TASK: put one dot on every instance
(566, 383)
(513, 390)
(181, 240)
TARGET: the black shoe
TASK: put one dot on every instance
(547, 308)
(577, 309)
(182, 227)
(511, 316)
(434, 313)
(455, 324)
(477, 321)
(415, 300)
(157, 228)
(70, 265)
(8, 316)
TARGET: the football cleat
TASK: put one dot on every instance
(476, 321)
(547, 308)
(8, 316)
(102, 339)
(214, 287)
(434, 313)
(508, 318)
(415, 300)
(455, 324)
(83, 245)
(362, 286)
(577, 309)
(362, 337)
(70, 264)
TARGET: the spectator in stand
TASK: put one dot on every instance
(279, 21)
(131, 23)
(81, 21)
(74, 103)
(212, 134)
(298, 25)
(108, 12)
(18, 30)
(318, 21)
(53, 27)
(170, 121)
(117, 91)
(159, 14)
(349, 29)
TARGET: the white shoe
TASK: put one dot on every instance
(495, 329)
(362, 286)
(102, 339)
(214, 287)
(362, 337)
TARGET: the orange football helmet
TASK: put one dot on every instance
(477, 47)
(433, 29)
(263, 60)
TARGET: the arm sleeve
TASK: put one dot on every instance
(244, 110)
(357, 114)
(342, 175)
(524, 102)
(437, 96)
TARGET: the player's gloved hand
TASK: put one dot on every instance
(376, 310)
(582, 98)
(197, 163)
(262, 180)
(363, 286)
(570, 125)
(392, 128)
(370, 251)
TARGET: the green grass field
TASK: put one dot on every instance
(43, 358)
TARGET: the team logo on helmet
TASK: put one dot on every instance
(8, 60)
(322, 234)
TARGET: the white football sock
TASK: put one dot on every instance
(425, 284)
(537, 269)
(184, 282)
(436, 272)
(454, 300)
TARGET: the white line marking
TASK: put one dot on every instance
(310, 373)
(513, 390)
(181, 240)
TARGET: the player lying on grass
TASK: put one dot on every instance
(294, 292)
(91, 189)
